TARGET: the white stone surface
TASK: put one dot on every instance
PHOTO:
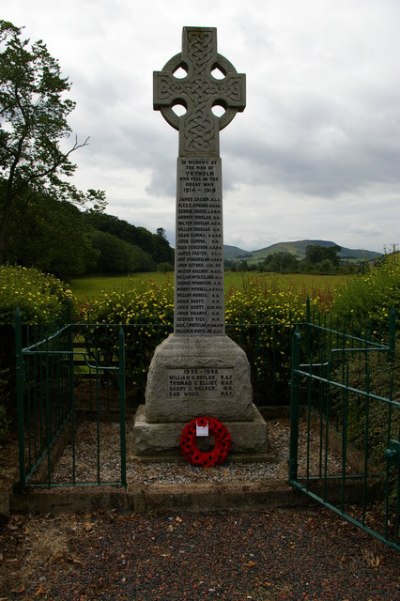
(198, 375)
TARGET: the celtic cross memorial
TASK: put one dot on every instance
(198, 370)
(199, 282)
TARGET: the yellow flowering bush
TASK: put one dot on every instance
(147, 317)
(261, 321)
(42, 299)
(366, 301)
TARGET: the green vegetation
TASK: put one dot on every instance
(259, 316)
(44, 302)
(296, 249)
(368, 299)
(299, 258)
(381, 378)
(88, 289)
(40, 222)
(147, 316)
(85, 289)
(42, 299)
(261, 310)
(34, 112)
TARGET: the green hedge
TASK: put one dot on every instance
(44, 303)
(42, 299)
(259, 319)
(365, 302)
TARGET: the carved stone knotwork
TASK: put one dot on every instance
(199, 91)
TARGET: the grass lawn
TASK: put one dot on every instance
(88, 288)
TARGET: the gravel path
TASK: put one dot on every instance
(181, 472)
(285, 554)
(261, 556)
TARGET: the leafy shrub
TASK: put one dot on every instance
(380, 375)
(147, 317)
(261, 320)
(369, 298)
(258, 318)
(43, 301)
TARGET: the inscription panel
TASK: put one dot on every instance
(200, 383)
(199, 260)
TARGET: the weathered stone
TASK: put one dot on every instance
(199, 91)
(198, 375)
(152, 438)
(199, 256)
(198, 370)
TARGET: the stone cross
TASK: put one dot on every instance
(198, 370)
(199, 92)
(199, 260)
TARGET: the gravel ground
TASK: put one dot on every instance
(285, 554)
(234, 556)
(181, 472)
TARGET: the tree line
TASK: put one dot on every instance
(58, 237)
(318, 259)
(45, 221)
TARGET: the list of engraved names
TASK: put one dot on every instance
(199, 267)
(198, 382)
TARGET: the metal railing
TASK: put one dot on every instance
(345, 452)
(63, 419)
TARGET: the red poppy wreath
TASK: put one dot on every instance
(222, 438)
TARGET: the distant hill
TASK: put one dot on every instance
(231, 253)
(298, 249)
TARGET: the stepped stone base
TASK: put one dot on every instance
(153, 438)
(198, 375)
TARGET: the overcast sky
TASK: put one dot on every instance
(316, 153)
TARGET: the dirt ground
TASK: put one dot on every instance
(235, 556)
(284, 554)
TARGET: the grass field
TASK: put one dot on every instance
(88, 288)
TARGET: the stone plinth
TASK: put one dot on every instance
(156, 438)
(191, 376)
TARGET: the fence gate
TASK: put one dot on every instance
(71, 408)
(345, 427)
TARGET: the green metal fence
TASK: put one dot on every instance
(71, 411)
(75, 386)
(345, 426)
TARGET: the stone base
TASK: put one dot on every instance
(198, 375)
(154, 438)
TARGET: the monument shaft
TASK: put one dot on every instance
(199, 261)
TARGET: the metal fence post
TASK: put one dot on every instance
(122, 402)
(20, 396)
(294, 407)
(392, 333)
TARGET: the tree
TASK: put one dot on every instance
(163, 253)
(316, 254)
(53, 237)
(33, 122)
(281, 262)
(155, 245)
(118, 256)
